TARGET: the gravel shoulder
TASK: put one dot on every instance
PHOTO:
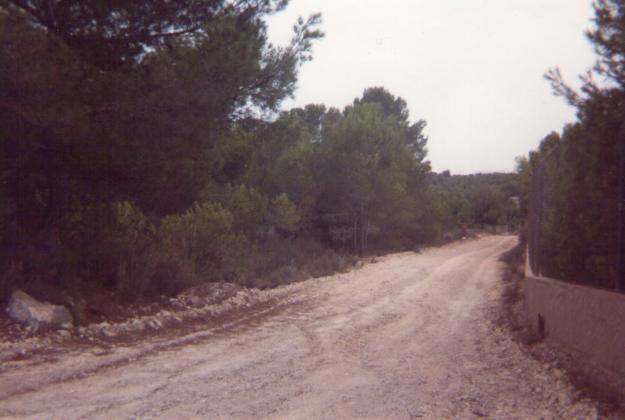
(411, 336)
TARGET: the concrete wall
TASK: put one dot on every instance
(587, 320)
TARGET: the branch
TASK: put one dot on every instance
(560, 88)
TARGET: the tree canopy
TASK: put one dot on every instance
(143, 150)
(113, 33)
(571, 180)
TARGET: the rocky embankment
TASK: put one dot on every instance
(25, 334)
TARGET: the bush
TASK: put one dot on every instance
(187, 249)
(247, 205)
(283, 214)
(130, 241)
(283, 261)
(204, 237)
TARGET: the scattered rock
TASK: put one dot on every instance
(154, 323)
(208, 293)
(217, 297)
(64, 333)
(109, 332)
(38, 315)
(478, 412)
(194, 300)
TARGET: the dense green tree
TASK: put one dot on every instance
(114, 33)
(397, 108)
(373, 171)
(574, 177)
(479, 200)
(607, 38)
(143, 150)
(109, 102)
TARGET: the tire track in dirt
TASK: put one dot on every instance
(409, 336)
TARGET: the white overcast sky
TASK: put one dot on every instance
(473, 69)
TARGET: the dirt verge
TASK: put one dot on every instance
(410, 336)
(604, 387)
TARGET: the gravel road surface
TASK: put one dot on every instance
(409, 336)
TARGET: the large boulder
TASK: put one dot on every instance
(38, 315)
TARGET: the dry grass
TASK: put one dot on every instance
(285, 261)
(511, 312)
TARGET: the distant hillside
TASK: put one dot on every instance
(503, 181)
(478, 199)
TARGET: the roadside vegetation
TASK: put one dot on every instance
(478, 201)
(143, 151)
(569, 189)
(589, 380)
(578, 183)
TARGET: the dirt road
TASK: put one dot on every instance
(410, 336)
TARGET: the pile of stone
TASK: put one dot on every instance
(43, 325)
(205, 300)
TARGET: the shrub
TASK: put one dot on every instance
(283, 214)
(247, 206)
(282, 261)
(130, 241)
(204, 237)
